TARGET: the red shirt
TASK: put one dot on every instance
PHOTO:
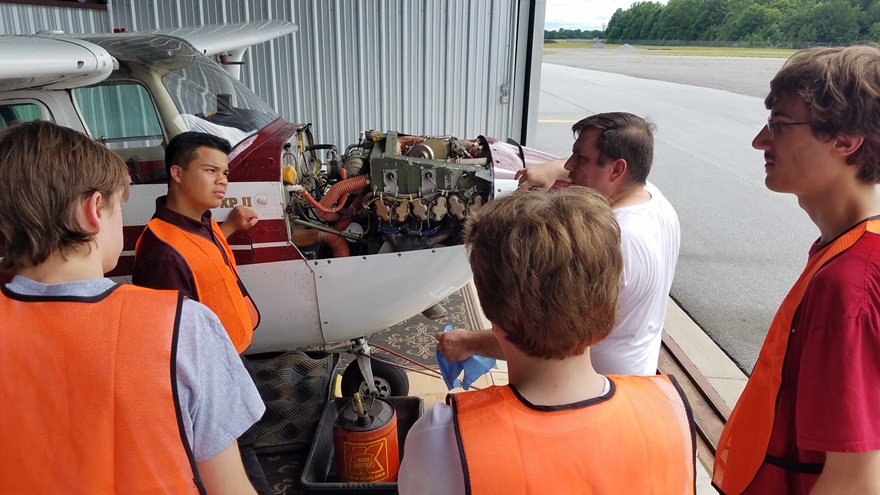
(829, 399)
(158, 265)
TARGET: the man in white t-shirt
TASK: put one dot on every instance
(613, 155)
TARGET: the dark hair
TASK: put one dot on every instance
(183, 148)
(547, 268)
(841, 88)
(46, 170)
(623, 135)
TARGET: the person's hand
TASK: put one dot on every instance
(454, 345)
(242, 217)
(542, 176)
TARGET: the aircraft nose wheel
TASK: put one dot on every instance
(389, 380)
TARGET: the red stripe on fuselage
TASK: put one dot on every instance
(125, 266)
(274, 230)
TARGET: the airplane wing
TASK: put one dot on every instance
(221, 38)
(53, 63)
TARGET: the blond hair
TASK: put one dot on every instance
(46, 170)
(547, 268)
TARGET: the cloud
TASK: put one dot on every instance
(582, 14)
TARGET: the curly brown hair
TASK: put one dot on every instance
(46, 170)
(547, 268)
(841, 89)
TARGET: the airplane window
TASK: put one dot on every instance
(20, 112)
(212, 101)
(121, 115)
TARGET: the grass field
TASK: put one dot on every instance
(679, 51)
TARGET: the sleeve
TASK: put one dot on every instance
(218, 399)
(159, 266)
(837, 401)
(431, 461)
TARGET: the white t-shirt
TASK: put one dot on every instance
(650, 239)
(431, 460)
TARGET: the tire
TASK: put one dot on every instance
(390, 380)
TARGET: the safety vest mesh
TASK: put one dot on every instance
(638, 441)
(217, 284)
(88, 394)
(742, 448)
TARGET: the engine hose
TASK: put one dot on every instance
(337, 244)
(321, 228)
(342, 224)
(404, 242)
(337, 195)
(343, 187)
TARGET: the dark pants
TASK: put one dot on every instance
(248, 457)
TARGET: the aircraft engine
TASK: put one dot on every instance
(388, 193)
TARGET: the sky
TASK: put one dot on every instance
(582, 14)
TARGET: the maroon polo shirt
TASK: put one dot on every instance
(157, 265)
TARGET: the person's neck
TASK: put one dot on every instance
(73, 266)
(630, 195)
(175, 202)
(553, 382)
(849, 206)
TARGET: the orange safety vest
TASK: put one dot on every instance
(89, 395)
(217, 284)
(640, 440)
(742, 448)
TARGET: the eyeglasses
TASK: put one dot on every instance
(777, 126)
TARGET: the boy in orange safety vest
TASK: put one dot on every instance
(184, 248)
(547, 268)
(806, 421)
(105, 388)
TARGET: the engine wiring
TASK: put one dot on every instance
(375, 197)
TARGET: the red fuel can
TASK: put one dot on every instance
(365, 441)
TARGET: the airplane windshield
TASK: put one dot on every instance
(207, 97)
(212, 101)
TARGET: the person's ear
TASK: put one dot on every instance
(498, 331)
(617, 170)
(845, 145)
(92, 211)
(175, 171)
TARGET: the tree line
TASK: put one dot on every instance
(778, 22)
(573, 34)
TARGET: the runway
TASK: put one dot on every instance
(742, 245)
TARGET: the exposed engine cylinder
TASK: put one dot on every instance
(409, 192)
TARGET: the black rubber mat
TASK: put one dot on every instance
(295, 387)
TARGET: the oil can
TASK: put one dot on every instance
(365, 441)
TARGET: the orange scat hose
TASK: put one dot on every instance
(337, 195)
(337, 244)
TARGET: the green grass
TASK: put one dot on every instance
(680, 51)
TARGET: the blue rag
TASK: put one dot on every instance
(474, 367)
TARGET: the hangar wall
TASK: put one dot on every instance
(415, 66)
(28, 19)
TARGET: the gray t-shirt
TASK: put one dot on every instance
(218, 399)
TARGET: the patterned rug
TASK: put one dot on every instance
(413, 338)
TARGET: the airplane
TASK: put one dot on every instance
(350, 240)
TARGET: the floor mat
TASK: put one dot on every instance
(295, 387)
